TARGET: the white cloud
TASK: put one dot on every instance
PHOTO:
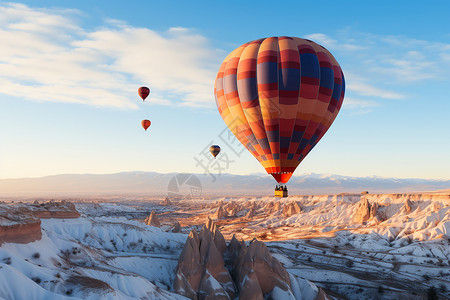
(40, 21)
(380, 68)
(46, 56)
(359, 103)
(330, 43)
(322, 39)
(410, 66)
(388, 59)
(356, 84)
(359, 106)
(405, 60)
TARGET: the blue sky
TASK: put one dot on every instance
(69, 73)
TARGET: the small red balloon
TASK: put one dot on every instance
(146, 124)
(143, 92)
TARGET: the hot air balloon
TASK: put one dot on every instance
(279, 96)
(215, 150)
(143, 92)
(146, 124)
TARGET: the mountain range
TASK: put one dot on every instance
(158, 184)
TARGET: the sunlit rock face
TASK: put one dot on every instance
(269, 272)
(20, 223)
(152, 220)
(362, 212)
(204, 267)
(219, 240)
(19, 228)
(189, 269)
(201, 272)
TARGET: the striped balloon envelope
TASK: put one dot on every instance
(279, 96)
(215, 150)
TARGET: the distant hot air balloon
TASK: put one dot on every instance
(279, 96)
(146, 124)
(215, 150)
(143, 92)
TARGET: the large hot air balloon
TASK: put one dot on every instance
(146, 124)
(215, 150)
(143, 92)
(279, 96)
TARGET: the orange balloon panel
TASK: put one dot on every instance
(279, 96)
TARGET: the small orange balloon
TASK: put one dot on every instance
(146, 124)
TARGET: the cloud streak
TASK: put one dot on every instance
(356, 84)
(46, 56)
(381, 68)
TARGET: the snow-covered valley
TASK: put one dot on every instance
(371, 246)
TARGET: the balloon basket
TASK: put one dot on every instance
(281, 193)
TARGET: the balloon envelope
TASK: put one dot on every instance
(143, 92)
(215, 150)
(146, 124)
(279, 96)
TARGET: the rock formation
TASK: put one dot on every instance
(373, 210)
(209, 223)
(408, 206)
(362, 212)
(276, 207)
(176, 228)
(436, 206)
(166, 201)
(268, 206)
(50, 209)
(203, 270)
(291, 209)
(218, 238)
(220, 213)
(19, 228)
(256, 263)
(20, 223)
(232, 251)
(189, 269)
(232, 208)
(250, 213)
(152, 220)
